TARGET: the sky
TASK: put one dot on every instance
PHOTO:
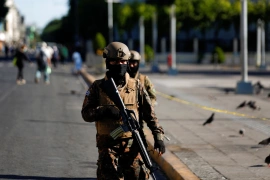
(41, 12)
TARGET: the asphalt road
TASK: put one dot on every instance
(43, 136)
(42, 133)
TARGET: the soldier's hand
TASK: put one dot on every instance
(108, 112)
(159, 144)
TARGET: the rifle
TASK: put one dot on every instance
(130, 123)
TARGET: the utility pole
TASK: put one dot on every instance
(172, 69)
(110, 17)
(155, 67)
(259, 42)
(141, 25)
(110, 20)
(263, 63)
(243, 86)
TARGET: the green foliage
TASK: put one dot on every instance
(52, 32)
(86, 18)
(91, 17)
(3, 9)
(149, 53)
(218, 55)
(146, 11)
(99, 42)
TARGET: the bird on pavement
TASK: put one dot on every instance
(265, 141)
(258, 87)
(243, 104)
(252, 105)
(267, 160)
(242, 132)
(209, 120)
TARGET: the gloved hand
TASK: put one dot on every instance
(159, 144)
(108, 112)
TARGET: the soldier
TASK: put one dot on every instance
(120, 158)
(134, 63)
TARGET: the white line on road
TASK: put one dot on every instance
(7, 93)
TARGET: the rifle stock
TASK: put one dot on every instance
(130, 124)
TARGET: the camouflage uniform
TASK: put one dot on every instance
(120, 158)
(149, 87)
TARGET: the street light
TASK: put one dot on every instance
(110, 17)
(244, 86)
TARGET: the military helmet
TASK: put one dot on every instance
(116, 50)
(134, 55)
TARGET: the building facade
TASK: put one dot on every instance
(12, 29)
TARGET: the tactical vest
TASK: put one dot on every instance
(129, 95)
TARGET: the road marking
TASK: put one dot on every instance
(208, 108)
(7, 93)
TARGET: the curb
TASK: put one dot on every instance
(170, 164)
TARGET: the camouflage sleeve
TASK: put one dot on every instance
(149, 115)
(150, 89)
(90, 104)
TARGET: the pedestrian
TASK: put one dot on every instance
(64, 54)
(6, 50)
(133, 70)
(21, 56)
(55, 56)
(43, 57)
(120, 158)
(77, 60)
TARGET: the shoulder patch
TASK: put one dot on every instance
(87, 93)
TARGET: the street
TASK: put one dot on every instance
(43, 135)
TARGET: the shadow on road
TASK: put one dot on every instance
(40, 177)
(61, 122)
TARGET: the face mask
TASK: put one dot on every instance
(132, 71)
(118, 70)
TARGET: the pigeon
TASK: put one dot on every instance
(242, 132)
(209, 120)
(73, 92)
(258, 87)
(243, 104)
(265, 141)
(252, 105)
(267, 160)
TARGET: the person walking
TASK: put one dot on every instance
(77, 60)
(55, 56)
(119, 158)
(21, 56)
(6, 50)
(64, 54)
(43, 57)
(133, 70)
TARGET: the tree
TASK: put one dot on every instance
(128, 15)
(99, 43)
(52, 31)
